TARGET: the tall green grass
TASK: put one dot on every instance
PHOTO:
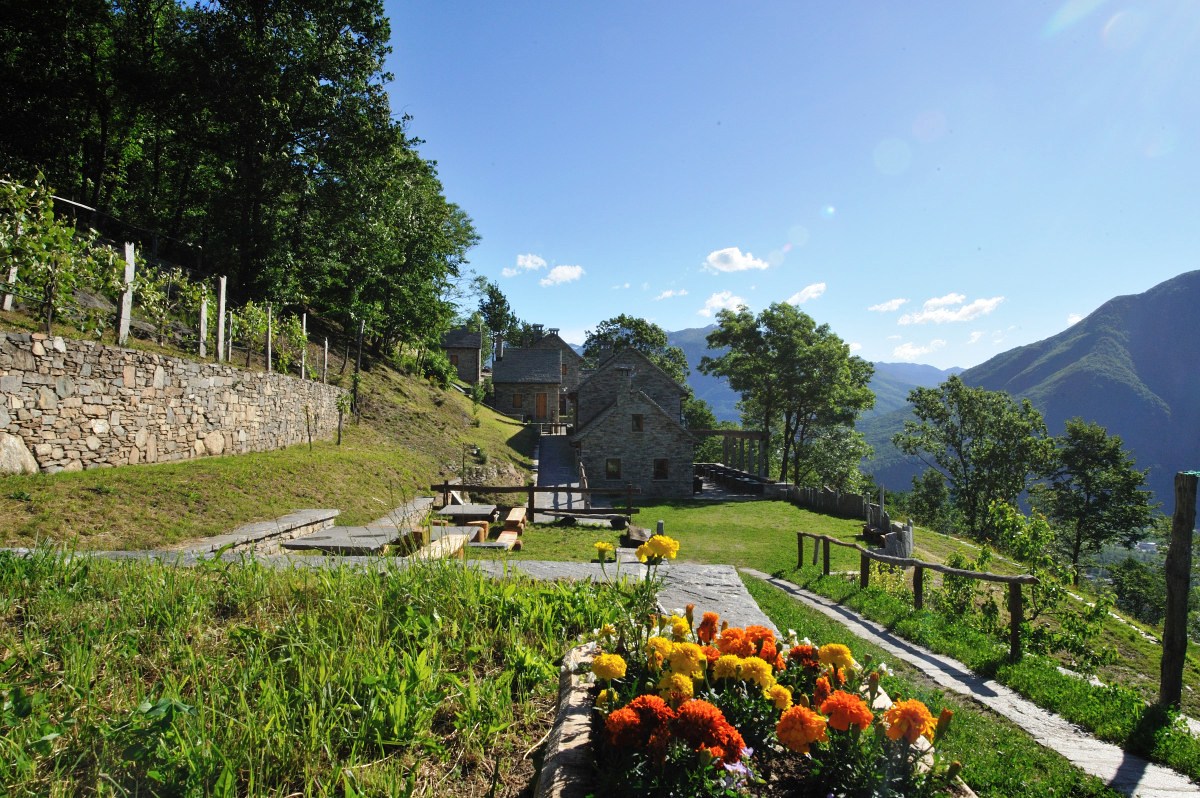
(137, 678)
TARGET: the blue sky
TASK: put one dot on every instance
(939, 182)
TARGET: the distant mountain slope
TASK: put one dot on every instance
(1132, 366)
(892, 382)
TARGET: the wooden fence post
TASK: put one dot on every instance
(799, 549)
(12, 279)
(816, 550)
(864, 570)
(532, 505)
(268, 338)
(826, 564)
(1016, 611)
(204, 325)
(126, 297)
(918, 587)
(325, 363)
(220, 319)
(304, 347)
(1179, 568)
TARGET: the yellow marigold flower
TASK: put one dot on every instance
(658, 547)
(837, 655)
(780, 696)
(657, 650)
(680, 628)
(909, 720)
(759, 671)
(675, 687)
(727, 667)
(688, 659)
(800, 727)
(608, 666)
(606, 698)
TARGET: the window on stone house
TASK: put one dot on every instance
(638, 422)
(518, 400)
(612, 468)
(454, 360)
(564, 370)
(661, 469)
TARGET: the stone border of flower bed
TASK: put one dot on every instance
(567, 764)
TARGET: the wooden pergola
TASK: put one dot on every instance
(743, 449)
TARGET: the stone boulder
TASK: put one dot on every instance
(15, 457)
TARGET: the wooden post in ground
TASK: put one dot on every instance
(220, 319)
(918, 587)
(204, 324)
(799, 549)
(126, 297)
(532, 505)
(1179, 569)
(304, 347)
(826, 564)
(269, 338)
(1016, 612)
(325, 363)
(12, 280)
(816, 550)
(864, 570)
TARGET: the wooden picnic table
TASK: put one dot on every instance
(461, 513)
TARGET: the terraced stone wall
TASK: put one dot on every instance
(78, 404)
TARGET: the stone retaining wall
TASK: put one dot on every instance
(79, 404)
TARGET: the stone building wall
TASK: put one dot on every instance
(627, 369)
(613, 436)
(504, 392)
(79, 404)
(468, 362)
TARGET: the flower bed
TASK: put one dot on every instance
(679, 708)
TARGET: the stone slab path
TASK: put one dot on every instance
(1121, 771)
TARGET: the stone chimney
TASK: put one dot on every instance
(537, 332)
(499, 348)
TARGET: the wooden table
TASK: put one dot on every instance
(461, 513)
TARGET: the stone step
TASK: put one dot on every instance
(347, 540)
(286, 527)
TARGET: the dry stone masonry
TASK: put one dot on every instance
(72, 405)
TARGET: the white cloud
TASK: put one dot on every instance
(855, 347)
(950, 308)
(720, 301)
(808, 292)
(525, 263)
(731, 259)
(910, 351)
(975, 336)
(1073, 318)
(618, 287)
(562, 274)
(670, 292)
(889, 306)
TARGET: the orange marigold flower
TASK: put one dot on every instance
(800, 727)
(707, 631)
(805, 655)
(845, 710)
(712, 654)
(909, 720)
(703, 726)
(768, 650)
(822, 690)
(643, 723)
(780, 663)
(734, 641)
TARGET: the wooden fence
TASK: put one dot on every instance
(1016, 606)
(629, 491)
(842, 505)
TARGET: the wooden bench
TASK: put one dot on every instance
(515, 520)
(482, 534)
(443, 547)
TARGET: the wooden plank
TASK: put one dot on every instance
(906, 562)
(443, 547)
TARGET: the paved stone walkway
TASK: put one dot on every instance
(1123, 772)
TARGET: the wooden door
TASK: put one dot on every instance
(540, 412)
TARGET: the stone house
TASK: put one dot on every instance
(571, 368)
(629, 428)
(465, 350)
(527, 383)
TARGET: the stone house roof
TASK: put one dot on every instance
(528, 366)
(639, 399)
(461, 338)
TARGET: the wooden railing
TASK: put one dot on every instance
(1016, 605)
(629, 491)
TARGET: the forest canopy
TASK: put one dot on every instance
(250, 138)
